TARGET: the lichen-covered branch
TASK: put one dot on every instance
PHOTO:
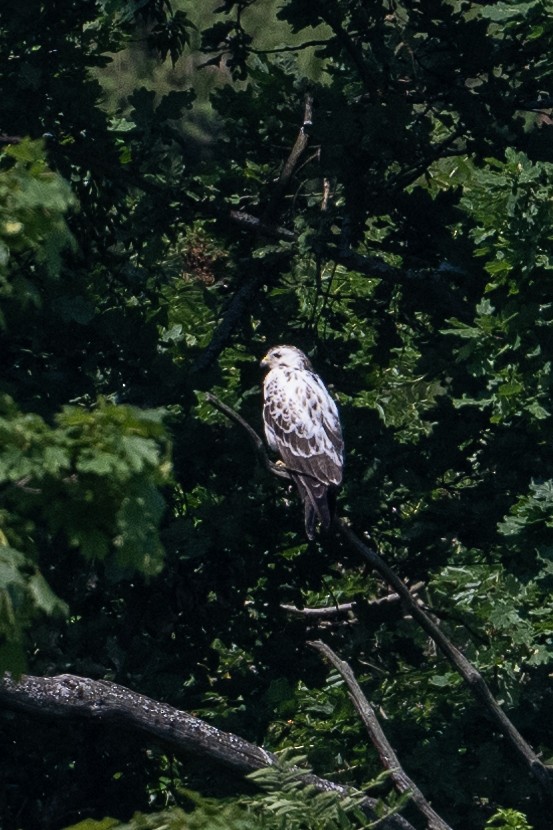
(70, 696)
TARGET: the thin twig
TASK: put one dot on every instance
(258, 444)
(326, 613)
(330, 611)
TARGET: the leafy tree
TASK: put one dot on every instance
(372, 181)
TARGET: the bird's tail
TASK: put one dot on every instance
(318, 504)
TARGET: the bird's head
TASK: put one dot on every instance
(285, 357)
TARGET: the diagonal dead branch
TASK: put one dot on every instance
(389, 759)
(472, 677)
(236, 310)
(300, 145)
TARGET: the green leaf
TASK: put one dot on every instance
(43, 596)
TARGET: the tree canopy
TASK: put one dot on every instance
(181, 188)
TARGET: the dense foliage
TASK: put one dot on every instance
(153, 244)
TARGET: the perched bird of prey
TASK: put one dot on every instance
(303, 427)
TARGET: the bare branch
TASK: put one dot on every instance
(297, 48)
(328, 612)
(237, 307)
(300, 144)
(476, 683)
(326, 194)
(370, 266)
(389, 759)
(349, 608)
(70, 696)
(474, 680)
(252, 223)
(244, 296)
(258, 444)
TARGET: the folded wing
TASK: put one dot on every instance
(302, 425)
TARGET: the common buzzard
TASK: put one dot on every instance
(303, 427)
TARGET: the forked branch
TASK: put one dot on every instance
(472, 677)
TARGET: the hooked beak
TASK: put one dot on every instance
(264, 361)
